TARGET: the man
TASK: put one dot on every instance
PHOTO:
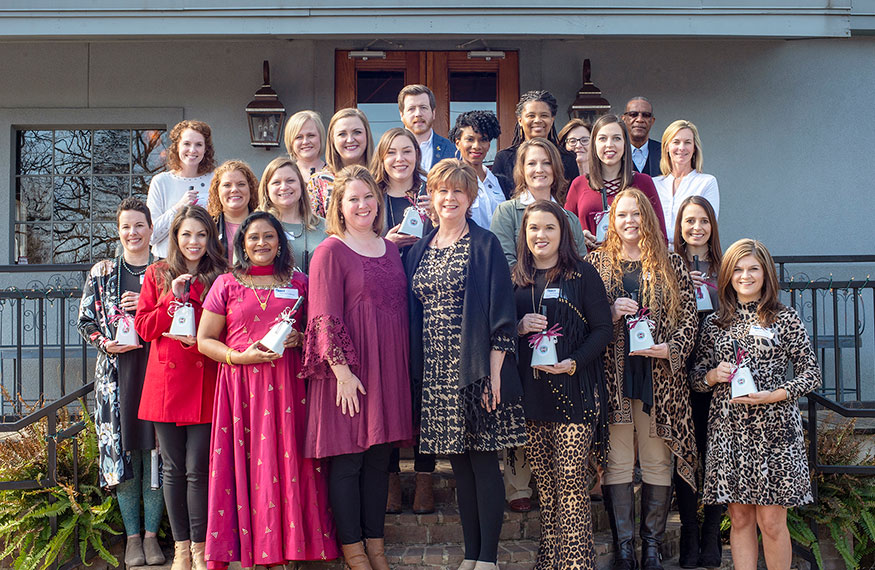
(645, 152)
(416, 104)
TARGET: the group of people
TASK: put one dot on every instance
(277, 340)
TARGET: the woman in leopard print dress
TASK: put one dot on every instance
(756, 458)
(648, 389)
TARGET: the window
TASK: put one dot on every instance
(68, 184)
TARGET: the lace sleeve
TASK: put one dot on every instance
(327, 343)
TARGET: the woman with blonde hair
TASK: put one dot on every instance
(462, 338)
(305, 142)
(233, 196)
(756, 461)
(682, 177)
(190, 163)
(281, 193)
(356, 360)
(651, 295)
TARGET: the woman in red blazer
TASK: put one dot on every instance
(180, 382)
(610, 172)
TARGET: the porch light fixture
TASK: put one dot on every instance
(265, 114)
(488, 54)
(367, 54)
(589, 104)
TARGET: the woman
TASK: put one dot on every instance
(574, 137)
(698, 244)
(396, 170)
(281, 193)
(190, 164)
(682, 176)
(395, 167)
(267, 503)
(756, 449)
(472, 135)
(610, 171)
(125, 444)
(180, 382)
(647, 388)
(565, 403)
(357, 363)
(535, 115)
(232, 197)
(305, 142)
(349, 142)
(462, 355)
(538, 176)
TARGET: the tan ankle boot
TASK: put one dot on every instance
(377, 554)
(393, 501)
(423, 496)
(197, 556)
(181, 555)
(355, 557)
(467, 564)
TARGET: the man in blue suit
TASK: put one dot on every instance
(645, 152)
(416, 104)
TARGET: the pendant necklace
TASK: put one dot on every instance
(263, 304)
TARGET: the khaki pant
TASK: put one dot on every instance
(654, 455)
(516, 481)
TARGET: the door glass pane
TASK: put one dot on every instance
(377, 97)
(474, 91)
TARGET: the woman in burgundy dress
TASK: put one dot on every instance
(356, 360)
(267, 503)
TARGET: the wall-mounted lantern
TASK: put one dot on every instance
(589, 104)
(266, 115)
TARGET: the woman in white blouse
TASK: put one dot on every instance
(682, 176)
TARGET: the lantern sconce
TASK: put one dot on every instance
(266, 115)
(589, 104)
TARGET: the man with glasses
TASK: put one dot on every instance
(645, 152)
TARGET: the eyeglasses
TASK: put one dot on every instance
(635, 114)
(574, 142)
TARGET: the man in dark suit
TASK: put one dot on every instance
(645, 152)
(416, 104)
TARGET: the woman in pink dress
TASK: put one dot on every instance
(356, 360)
(267, 503)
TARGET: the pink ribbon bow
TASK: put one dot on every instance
(739, 358)
(642, 314)
(536, 338)
(709, 284)
(174, 306)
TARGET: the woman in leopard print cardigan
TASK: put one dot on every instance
(647, 389)
(756, 458)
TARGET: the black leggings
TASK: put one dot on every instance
(480, 495)
(422, 462)
(186, 454)
(358, 486)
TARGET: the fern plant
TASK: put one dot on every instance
(845, 502)
(86, 517)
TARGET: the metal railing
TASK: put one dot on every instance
(839, 317)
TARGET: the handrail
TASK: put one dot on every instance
(46, 410)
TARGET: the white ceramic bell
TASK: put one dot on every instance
(183, 321)
(703, 299)
(743, 382)
(545, 353)
(411, 224)
(639, 336)
(125, 334)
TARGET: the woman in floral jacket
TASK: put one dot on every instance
(109, 300)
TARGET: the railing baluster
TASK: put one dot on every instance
(837, 357)
(856, 324)
(19, 389)
(41, 351)
(62, 325)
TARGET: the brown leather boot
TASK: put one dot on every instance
(355, 557)
(377, 554)
(423, 496)
(393, 502)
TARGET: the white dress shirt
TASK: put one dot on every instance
(427, 150)
(639, 156)
(693, 184)
(489, 196)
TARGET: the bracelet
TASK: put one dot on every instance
(573, 368)
(228, 357)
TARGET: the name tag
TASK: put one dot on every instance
(142, 278)
(552, 293)
(286, 293)
(762, 332)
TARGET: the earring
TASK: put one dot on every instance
(279, 249)
(245, 256)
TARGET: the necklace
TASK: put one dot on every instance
(449, 242)
(541, 301)
(263, 304)
(292, 234)
(131, 271)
